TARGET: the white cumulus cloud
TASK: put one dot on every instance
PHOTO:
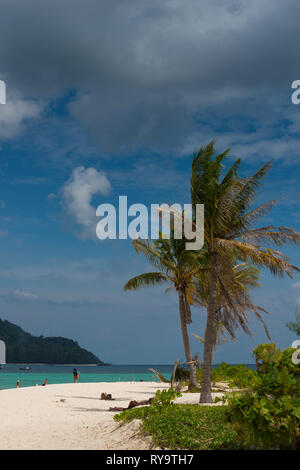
(77, 194)
(14, 113)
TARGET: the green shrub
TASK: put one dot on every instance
(133, 413)
(237, 376)
(185, 426)
(269, 414)
(164, 399)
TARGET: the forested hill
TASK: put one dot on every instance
(22, 347)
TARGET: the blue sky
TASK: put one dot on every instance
(115, 99)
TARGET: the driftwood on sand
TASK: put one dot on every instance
(132, 404)
(106, 396)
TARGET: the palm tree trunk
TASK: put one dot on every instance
(210, 334)
(185, 337)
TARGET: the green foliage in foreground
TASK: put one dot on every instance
(175, 426)
(269, 414)
(185, 427)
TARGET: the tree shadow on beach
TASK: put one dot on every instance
(93, 398)
(91, 409)
(83, 398)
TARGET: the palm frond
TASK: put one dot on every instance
(145, 280)
(258, 212)
(250, 185)
(153, 255)
(279, 236)
(274, 260)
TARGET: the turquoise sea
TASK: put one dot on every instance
(58, 374)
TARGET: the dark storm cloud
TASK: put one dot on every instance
(143, 70)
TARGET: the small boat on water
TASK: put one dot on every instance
(25, 368)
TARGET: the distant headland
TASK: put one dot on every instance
(22, 347)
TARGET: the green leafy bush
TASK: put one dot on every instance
(269, 414)
(237, 376)
(164, 399)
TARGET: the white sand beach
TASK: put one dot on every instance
(72, 416)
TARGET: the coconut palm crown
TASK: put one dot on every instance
(176, 267)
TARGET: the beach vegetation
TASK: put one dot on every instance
(192, 427)
(238, 375)
(234, 376)
(268, 413)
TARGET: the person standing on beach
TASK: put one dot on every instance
(76, 375)
(18, 383)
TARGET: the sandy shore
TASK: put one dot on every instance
(72, 416)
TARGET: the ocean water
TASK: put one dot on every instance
(59, 374)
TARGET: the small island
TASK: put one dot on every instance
(22, 347)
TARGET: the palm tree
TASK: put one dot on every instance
(233, 299)
(177, 267)
(229, 234)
